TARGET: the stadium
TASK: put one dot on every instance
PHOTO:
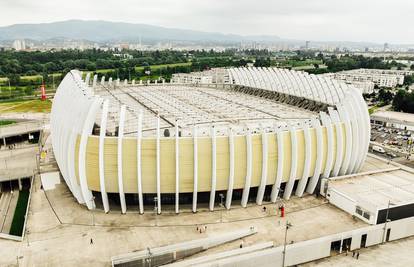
(257, 135)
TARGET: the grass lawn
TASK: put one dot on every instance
(38, 78)
(34, 78)
(6, 122)
(153, 67)
(372, 109)
(26, 106)
(19, 214)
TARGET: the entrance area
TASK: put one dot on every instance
(346, 244)
(387, 238)
(363, 241)
(335, 247)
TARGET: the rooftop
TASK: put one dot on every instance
(396, 116)
(201, 106)
(377, 188)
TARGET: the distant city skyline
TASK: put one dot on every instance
(377, 21)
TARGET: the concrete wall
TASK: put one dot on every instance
(315, 249)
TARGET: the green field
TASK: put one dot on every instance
(38, 78)
(6, 122)
(20, 213)
(153, 67)
(37, 106)
(34, 78)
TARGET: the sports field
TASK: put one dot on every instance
(36, 106)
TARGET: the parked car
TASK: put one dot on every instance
(391, 154)
(378, 149)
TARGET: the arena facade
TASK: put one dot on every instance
(261, 134)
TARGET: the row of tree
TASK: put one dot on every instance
(349, 62)
(403, 101)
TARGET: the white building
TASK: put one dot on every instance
(217, 75)
(364, 78)
(19, 45)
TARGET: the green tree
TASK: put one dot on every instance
(398, 102)
(14, 79)
(384, 96)
(91, 66)
(408, 79)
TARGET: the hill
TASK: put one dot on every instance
(99, 31)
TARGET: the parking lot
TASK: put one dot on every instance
(395, 143)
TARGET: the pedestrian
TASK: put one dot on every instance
(197, 228)
(91, 241)
(241, 244)
(357, 255)
(264, 209)
(353, 254)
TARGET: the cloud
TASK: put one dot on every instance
(351, 20)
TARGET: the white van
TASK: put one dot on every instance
(378, 149)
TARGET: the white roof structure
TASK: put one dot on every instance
(201, 106)
(322, 125)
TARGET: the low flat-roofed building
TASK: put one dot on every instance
(374, 196)
(400, 120)
(18, 149)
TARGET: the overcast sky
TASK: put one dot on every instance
(325, 20)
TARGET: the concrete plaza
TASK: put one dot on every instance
(59, 230)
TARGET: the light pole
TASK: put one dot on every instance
(386, 220)
(288, 225)
(27, 237)
(279, 200)
(221, 206)
(8, 79)
(93, 211)
(149, 259)
(155, 210)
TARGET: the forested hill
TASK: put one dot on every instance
(98, 31)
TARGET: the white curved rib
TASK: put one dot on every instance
(86, 131)
(329, 132)
(339, 141)
(177, 168)
(294, 163)
(307, 164)
(195, 160)
(213, 168)
(262, 186)
(120, 158)
(246, 189)
(139, 162)
(102, 135)
(319, 157)
(158, 167)
(231, 169)
(279, 172)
